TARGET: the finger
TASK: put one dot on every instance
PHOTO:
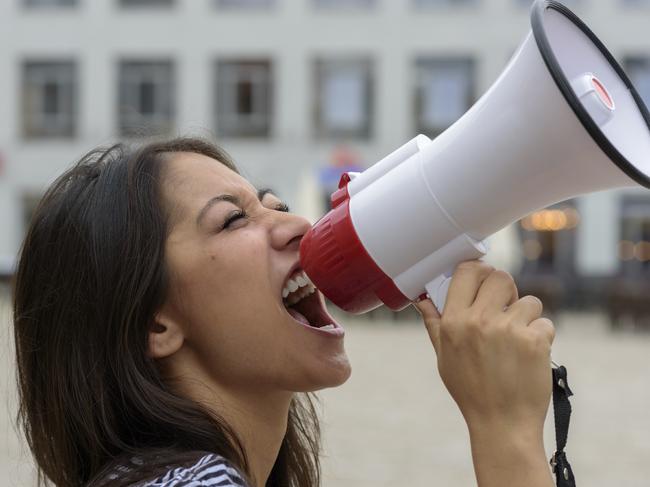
(525, 310)
(496, 292)
(431, 318)
(545, 327)
(465, 283)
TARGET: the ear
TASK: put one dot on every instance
(166, 336)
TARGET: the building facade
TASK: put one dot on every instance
(295, 89)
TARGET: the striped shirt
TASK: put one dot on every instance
(210, 470)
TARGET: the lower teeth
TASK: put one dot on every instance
(328, 327)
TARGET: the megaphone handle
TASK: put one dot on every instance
(438, 289)
(461, 248)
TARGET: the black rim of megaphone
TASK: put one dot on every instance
(565, 87)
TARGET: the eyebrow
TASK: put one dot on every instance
(230, 199)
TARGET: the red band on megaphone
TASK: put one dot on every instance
(337, 263)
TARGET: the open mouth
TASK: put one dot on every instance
(305, 304)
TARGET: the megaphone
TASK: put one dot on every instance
(563, 119)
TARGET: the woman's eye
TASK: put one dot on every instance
(236, 215)
(282, 207)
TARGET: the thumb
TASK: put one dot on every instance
(431, 318)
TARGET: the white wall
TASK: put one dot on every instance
(194, 33)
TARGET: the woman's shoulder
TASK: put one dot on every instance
(209, 470)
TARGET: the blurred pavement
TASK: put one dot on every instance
(393, 423)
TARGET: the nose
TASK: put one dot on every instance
(288, 230)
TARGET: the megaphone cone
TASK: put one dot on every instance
(562, 120)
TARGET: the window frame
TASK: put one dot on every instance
(35, 123)
(232, 5)
(633, 268)
(628, 66)
(144, 4)
(344, 5)
(527, 4)
(143, 125)
(468, 60)
(635, 4)
(233, 123)
(51, 4)
(320, 66)
(564, 244)
(425, 5)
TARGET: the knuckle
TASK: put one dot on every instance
(549, 328)
(476, 318)
(447, 324)
(449, 333)
(511, 322)
(541, 338)
(474, 266)
(468, 265)
(537, 342)
(448, 319)
(534, 300)
(445, 327)
(503, 276)
(446, 332)
(531, 343)
(499, 279)
(542, 345)
(535, 303)
(464, 327)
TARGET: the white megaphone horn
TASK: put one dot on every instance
(562, 120)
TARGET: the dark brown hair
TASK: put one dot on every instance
(90, 278)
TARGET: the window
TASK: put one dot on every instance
(146, 98)
(146, 3)
(244, 95)
(548, 239)
(244, 4)
(634, 246)
(444, 3)
(50, 3)
(344, 3)
(49, 102)
(638, 69)
(444, 92)
(568, 3)
(344, 98)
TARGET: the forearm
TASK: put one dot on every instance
(509, 457)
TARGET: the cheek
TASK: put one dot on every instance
(234, 323)
(226, 271)
(239, 276)
(226, 294)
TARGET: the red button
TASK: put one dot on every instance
(603, 94)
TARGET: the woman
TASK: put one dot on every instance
(165, 334)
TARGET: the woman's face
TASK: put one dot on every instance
(226, 283)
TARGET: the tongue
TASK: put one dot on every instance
(298, 316)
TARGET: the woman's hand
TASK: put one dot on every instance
(493, 353)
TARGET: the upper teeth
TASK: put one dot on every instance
(298, 280)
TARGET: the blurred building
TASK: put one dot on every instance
(287, 86)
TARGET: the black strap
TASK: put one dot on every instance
(562, 412)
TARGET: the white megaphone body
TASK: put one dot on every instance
(562, 120)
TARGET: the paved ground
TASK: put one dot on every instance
(392, 423)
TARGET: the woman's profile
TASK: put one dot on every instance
(166, 335)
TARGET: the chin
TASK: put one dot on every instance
(343, 377)
(334, 375)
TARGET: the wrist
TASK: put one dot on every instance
(509, 452)
(519, 433)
